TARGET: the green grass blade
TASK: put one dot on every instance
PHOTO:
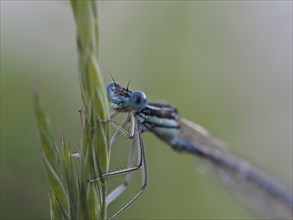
(94, 146)
(69, 173)
(48, 145)
(50, 157)
(56, 186)
(71, 196)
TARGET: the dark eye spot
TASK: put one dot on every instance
(138, 99)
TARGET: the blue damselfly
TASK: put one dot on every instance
(251, 185)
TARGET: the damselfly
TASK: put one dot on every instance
(250, 185)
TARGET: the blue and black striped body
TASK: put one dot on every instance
(164, 121)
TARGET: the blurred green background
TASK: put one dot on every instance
(225, 65)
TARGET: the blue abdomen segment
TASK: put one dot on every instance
(180, 144)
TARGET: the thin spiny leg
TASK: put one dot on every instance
(129, 169)
(135, 134)
(118, 132)
(121, 188)
(143, 180)
(130, 133)
(113, 114)
(122, 171)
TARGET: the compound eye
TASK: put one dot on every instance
(109, 89)
(138, 100)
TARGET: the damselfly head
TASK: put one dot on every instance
(123, 99)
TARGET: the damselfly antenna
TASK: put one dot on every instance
(112, 78)
(127, 87)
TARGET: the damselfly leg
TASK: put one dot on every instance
(121, 128)
(136, 141)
